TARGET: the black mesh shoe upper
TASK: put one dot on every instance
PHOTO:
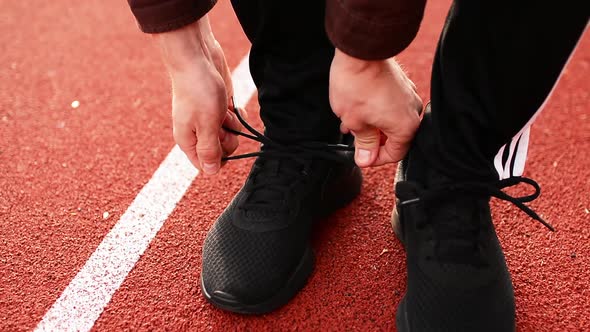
(257, 254)
(249, 265)
(457, 274)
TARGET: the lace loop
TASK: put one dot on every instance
(491, 189)
(276, 149)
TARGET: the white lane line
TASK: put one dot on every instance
(84, 299)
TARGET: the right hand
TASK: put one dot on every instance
(201, 94)
(378, 104)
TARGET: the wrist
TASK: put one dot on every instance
(355, 64)
(180, 48)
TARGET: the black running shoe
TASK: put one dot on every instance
(457, 274)
(257, 255)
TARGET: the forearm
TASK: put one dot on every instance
(373, 29)
(155, 16)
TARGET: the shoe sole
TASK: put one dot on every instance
(401, 316)
(299, 277)
(396, 225)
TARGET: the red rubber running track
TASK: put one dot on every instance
(63, 167)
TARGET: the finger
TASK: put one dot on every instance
(229, 143)
(222, 68)
(229, 87)
(186, 139)
(366, 142)
(383, 139)
(209, 149)
(243, 113)
(231, 121)
(344, 129)
(391, 152)
(398, 141)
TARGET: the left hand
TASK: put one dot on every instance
(201, 94)
(378, 104)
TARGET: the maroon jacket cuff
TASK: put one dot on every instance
(373, 30)
(155, 16)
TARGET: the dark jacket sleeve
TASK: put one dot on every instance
(154, 16)
(373, 29)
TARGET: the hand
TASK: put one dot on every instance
(378, 104)
(201, 94)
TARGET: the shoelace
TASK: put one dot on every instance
(329, 152)
(270, 190)
(485, 189)
(276, 149)
(465, 235)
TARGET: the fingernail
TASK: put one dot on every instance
(363, 156)
(210, 168)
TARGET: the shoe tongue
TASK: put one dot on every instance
(458, 227)
(272, 183)
(272, 167)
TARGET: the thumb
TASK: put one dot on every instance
(209, 150)
(366, 142)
